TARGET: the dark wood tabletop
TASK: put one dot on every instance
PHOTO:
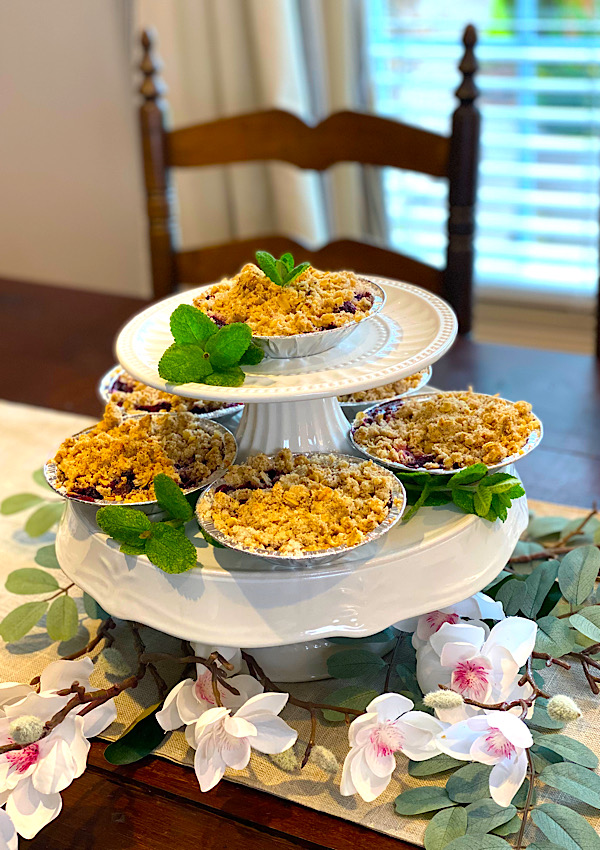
(54, 345)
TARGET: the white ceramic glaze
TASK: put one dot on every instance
(415, 329)
(439, 557)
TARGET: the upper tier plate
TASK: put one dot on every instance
(415, 330)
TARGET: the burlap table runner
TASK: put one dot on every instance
(28, 436)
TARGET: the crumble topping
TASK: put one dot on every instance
(297, 504)
(314, 301)
(132, 395)
(385, 391)
(447, 430)
(118, 458)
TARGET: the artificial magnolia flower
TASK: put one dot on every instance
(8, 833)
(224, 740)
(389, 726)
(476, 608)
(189, 699)
(498, 738)
(31, 778)
(485, 670)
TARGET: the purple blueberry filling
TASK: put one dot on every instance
(121, 386)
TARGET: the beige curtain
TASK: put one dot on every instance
(226, 57)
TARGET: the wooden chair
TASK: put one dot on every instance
(342, 137)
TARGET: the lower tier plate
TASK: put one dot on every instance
(439, 557)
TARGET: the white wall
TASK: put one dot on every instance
(71, 197)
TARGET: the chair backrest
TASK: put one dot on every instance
(342, 137)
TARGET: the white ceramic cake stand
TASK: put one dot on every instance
(284, 616)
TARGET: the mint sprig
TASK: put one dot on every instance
(281, 271)
(164, 543)
(203, 353)
(473, 490)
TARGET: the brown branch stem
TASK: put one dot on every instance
(528, 801)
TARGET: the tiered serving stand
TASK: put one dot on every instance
(286, 615)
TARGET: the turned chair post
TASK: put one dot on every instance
(462, 174)
(156, 174)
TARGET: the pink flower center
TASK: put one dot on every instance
(203, 688)
(21, 760)
(436, 619)
(471, 679)
(498, 744)
(386, 738)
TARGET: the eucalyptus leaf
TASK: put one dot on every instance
(353, 664)
(42, 520)
(470, 783)
(93, 609)
(428, 798)
(526, 547)
(565, 827)
(512, 595)
(569, 749)
(502, 576)
(587, 621)
(21, 620)
(30, 580)
(578, 572)
(537, 585)
(19, 502)
(554, 636)
(445, 826)
(62, 620)
(437, 764)
(349, 697)
(138, 740)
(508, 828)
(39, 478)
(545, 526)
(478, 842)
(543, 757)
(520, 798)
(46, 557)
(573, 779)
(485, 815)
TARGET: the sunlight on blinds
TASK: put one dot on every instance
(537, 216)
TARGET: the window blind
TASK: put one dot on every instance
(538, 197)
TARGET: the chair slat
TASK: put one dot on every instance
(277, 135)
(206, 265)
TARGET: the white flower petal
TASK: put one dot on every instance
(272, 702)
(382, 764)
(8, 833)
(30, 811)
(229, 653)
(455, 715)
(239, 727)
(169, 717)
(246, 685)
(515, 634)
(364, 780)
(213, 715)
(208, 764)
(430, 672)
(13, 692)
(408, 625)
(457, 633)
(453, 653)
(346, 784)
(420, 731)
(273, 735)
(479, 606)
(189, 706)
(237, 754)
(507, 777)
(56, 770)
(390, 706)
(190, 735)
(480, 752)
(72, 731)
(457, 740)
(99, 719)
(43, 706)
(360, 729)
(512, 727)
(62, 674)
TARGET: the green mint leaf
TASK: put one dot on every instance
(17, 623)
(482, 500)
(184, 364)
(464, 500)
(287, 260)
(232, 377)
(437, 498)
(282, 269)
(171, 499)
(498, 508)
(296, 272)
(123, 524)
(30, 580)
(228, 345)
(419, 503)
(515, 492)
(19, 502)
(211, 540)
(267, 263)
(191, 326)
(169, 549)
(62, 620)
(468, 475)
(134, 549)
(252, 355)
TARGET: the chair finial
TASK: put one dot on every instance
(152, 87)
(467, 91)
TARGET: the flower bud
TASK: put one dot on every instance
(26, 729)
(287, 760)
(324, 759)
(115, 662)
(563, 708)
(443, 699)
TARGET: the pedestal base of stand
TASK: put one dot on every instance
(317, 425)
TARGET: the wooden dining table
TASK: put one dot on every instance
(55, 343)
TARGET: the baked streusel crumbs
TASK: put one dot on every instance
(385, 391)
(314, 301)
(132, 395)
(447, 430)
(291, 505)
(118, 458)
